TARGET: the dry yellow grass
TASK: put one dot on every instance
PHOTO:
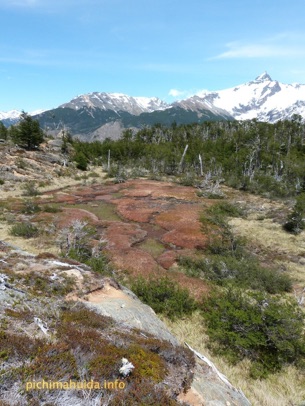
(286, 388)
(270, 236)
(42, 243)
(287, 250)
(31, 245)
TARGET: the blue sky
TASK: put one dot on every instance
(54, 50)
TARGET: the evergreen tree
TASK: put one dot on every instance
(81, 161)
(27, 133)
(3, 131)
(296, 223)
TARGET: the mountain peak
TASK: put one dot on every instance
(264, 77)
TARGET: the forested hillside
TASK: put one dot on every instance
(259, 157)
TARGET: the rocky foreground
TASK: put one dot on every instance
(58, 318)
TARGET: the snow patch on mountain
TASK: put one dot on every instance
(117, 102)
(263, 98)
(12, 114)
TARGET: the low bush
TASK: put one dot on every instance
(164, 296)
(215, 226)
(51, 209)
(26, 230)
(30, 207)
(82, 316)
(295, 222)
(81, 161)
(38, 283)
(30, 189)
(242, 272)
(100, 264)
(267, 330)
(227, 261)
(224, 209)
(19, 346)
(143, 393)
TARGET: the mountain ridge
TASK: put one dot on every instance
(98, 115)
(263, 99)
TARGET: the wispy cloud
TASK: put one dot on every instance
(183, 94)
(176, 92)
(280, 45)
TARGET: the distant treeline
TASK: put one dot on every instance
(249, 155)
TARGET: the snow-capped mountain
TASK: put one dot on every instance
(9, 117)
(101, 115)
(263, 98)
(12, 117)
(117, 102)
(197, 104)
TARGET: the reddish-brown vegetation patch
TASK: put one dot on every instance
(155, 189)
(68, 215)
(159, 221)
(167, 259)
(139, 210)
(137, 261)
(122, 236)
(184, 226)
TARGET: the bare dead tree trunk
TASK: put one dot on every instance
(108, 166)
(201, 168)
(182, 158)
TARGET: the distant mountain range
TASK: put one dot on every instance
(12, 117)
(100, 115)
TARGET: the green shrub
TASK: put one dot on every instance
(51, 209)
(214, 223)
(228, 261)
(242, 271)
(295, 222)
(81, 161)
(85, 317)
(267, 330)
(100, 264)
(30, 207)
(224, 209)
(164, 296)
(26, 230)
(188, 179)
(30, 189)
